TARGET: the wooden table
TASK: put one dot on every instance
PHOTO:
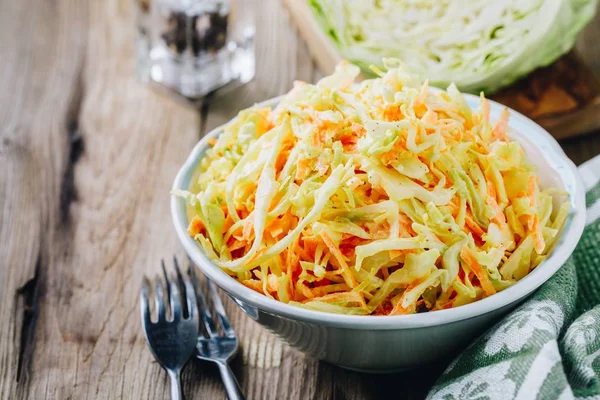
(87, 157)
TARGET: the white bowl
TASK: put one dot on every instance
(387, 343)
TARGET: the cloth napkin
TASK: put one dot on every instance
(549, 347)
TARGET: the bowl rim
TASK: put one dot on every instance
(548, 146)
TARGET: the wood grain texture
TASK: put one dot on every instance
(321, 48)
(92, 156)
(39, 88)
(582, 148)
(87, 158)
(564, 97)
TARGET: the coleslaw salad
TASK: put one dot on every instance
(378, 198)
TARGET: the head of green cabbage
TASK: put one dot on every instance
(477, 44)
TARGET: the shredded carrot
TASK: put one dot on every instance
(531, 188)
(538, 239)
(236, 245)
(303, 169)
(310, 246)
(228, 222)
(419, 104)
(196, 226)
(499, 131)
(253, 284)
(248, 226)
(392, 113)
(348, 276)
(398, 310)
(454, 204)
(406, 225)
(281, 225)
(282, 158)
(533, 220)
(389, 157)
(499, 216)
(473, 226)
(469, 258)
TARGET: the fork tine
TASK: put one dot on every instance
(175, 300)
(192, 303)
(182, 286)
(165, 277)
(209, 323)
(145, 303)
(159, 299)
(219, 309)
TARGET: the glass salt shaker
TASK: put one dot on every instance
(193, 47)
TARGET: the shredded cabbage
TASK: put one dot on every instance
(374, 198)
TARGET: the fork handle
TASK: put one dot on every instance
(175, 378)
(232, 387)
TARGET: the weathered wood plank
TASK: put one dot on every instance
(119, 227)
(41, 46)
(92, 155)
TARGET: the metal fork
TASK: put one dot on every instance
(216, 347)
(172, 341)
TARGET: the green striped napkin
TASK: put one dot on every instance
(549, 347)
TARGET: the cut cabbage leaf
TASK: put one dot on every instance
(477, 44)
